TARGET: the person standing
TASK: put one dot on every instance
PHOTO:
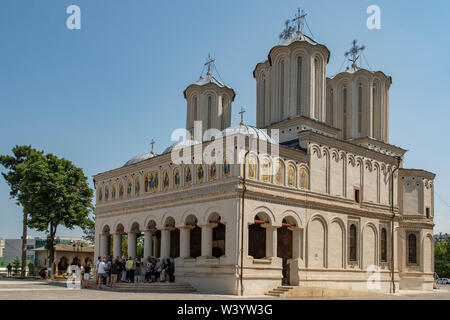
(124, 270)
(129, 267)
(114, 271)
(103, 276)
(138, 271)
(99, 259)
(148, 270)
(9, 267)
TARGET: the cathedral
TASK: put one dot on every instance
(327, 203)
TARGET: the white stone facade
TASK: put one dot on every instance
(337, 205)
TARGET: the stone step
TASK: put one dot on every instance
(278, 291)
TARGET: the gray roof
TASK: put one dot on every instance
(209, 79)
(180, 145)
(246, 130)
(298, 36)
(139, 158)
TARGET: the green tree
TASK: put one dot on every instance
(58, 195)
(442, 259)
(16, 165)
(89, 231)
(16, 266)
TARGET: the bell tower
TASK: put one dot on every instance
(209, 101)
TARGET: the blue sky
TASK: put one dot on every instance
(97, 96)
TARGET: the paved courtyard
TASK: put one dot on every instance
(42, 290)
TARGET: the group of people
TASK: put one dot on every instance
(111, 270)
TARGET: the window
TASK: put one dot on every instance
(353, 243)
(360, 101)
(344, 102)
(263, 112)
(331, 107)
(357, 197)
(209, 111)
(281, 90)
(427, 212)
(374, 94)
(383, 245)
(256, 240)
(316, 89)
(223, 114)
(195, 109)
(299, 85)
(412, 249)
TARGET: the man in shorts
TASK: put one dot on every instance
(102, 275)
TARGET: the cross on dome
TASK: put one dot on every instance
(354, 53)
(242, 115)
(153, 144)
(209, 61)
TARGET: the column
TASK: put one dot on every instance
(271, 240)
(206, 240)
(165, 243)
(296, 243)
(132, 244)
(117, 245)
(185, 241)
(103, 245)
(148, 244)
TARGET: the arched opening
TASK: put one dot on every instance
(135, 242)
(173, 239)
(195, 237)
(105, 242)
(284, 245)
(119, 248)
(62, 265)
(218, 234)
(257, 237)
(412, 249)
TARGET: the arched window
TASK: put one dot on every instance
(281, 90)
(360, 102)
(412, 249)
(353, 243)
(344, 106)
(316, 89)
(194, 109)
(299, 86)
(263, 112)
(256, 240)
(195, 241)
(209, 111)
(374, 108)
(218, 249)
(383, 245)
(330, 121)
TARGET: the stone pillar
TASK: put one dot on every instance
(148, 244)
(206, 240)
(165, 243)
(296, 243)
(103, 245)
(132, 244)
(271, 241)
(185, 242)
(117, 245)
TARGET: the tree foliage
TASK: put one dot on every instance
(57, 194)
(442, 259)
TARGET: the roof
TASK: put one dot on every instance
(180, 145)
(68, 248)
(246, 130)
(139, 158)
(209, 79)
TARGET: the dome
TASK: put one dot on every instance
(247, 131)
(180, 145)
(139, 158)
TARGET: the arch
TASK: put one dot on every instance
(317, 235)
(105, 230)
(257, 236)
(291, 175)
(337, 243)
(265, 212)
(428, 257)
(369, 245)
(353, 242)
(135, 227)
(292, 217)
(383, 244)
(119, 226)
(279, 171)
(266, 169)
(412, 248)
(169, 221)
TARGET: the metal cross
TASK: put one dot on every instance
(152, 143)
(209, 61)
(354, 53)
(299, 19)
(287, 32)
(242, 115)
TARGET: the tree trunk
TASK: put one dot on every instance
(51, 250)
(24, 244)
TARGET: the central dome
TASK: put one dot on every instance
(139, 158)
(243, 129)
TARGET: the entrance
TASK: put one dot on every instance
(284, 249)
